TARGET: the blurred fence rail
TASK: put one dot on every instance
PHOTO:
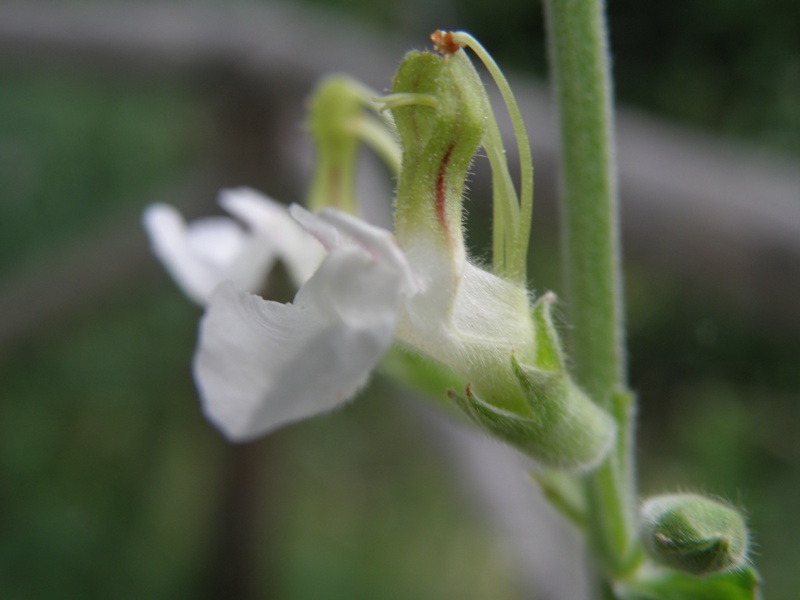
(725, 219)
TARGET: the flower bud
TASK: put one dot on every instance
(694, 534)
(439, 107)
(341, 116)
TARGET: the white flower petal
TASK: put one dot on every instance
(261, 364)
(270, 220)
(427, 314)
(216, 240)
(462, 315)
(492, 313)
(203, 254)
(197, 273)
(375, 240)
(326, 234)
(252, 208)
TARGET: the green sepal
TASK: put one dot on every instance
(576, 427)
(694, 534)
(741, 584)
(549, 355)
(563, 428)
(519, 431)
(558, 425)
(572, 431)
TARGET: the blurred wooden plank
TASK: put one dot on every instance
(112, 259)
(175, 38)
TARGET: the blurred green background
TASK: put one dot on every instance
(112, 485)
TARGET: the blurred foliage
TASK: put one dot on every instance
(720, 401)
(113, 482)
(74, 151)
(732, 67)
(102, 495)
(728, 66)
(113, 485)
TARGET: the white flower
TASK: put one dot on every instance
(262, 364)
(209, 251)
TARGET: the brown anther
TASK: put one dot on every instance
(444, 43)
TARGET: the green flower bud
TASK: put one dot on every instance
(343, 114)
(439, 107)
(694, 534)
(336, 103)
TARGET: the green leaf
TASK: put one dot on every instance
(743, 584)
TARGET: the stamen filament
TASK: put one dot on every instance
(391, 101)
(521, 233)
(505, 202)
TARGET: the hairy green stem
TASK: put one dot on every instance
(580, 68)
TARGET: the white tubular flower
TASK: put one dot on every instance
(207, 252)
(261, 364)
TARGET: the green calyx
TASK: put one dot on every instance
(439, 107)
(559, 426)
(694, 534)
(344, 114)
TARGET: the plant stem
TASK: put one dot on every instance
(580, 69)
